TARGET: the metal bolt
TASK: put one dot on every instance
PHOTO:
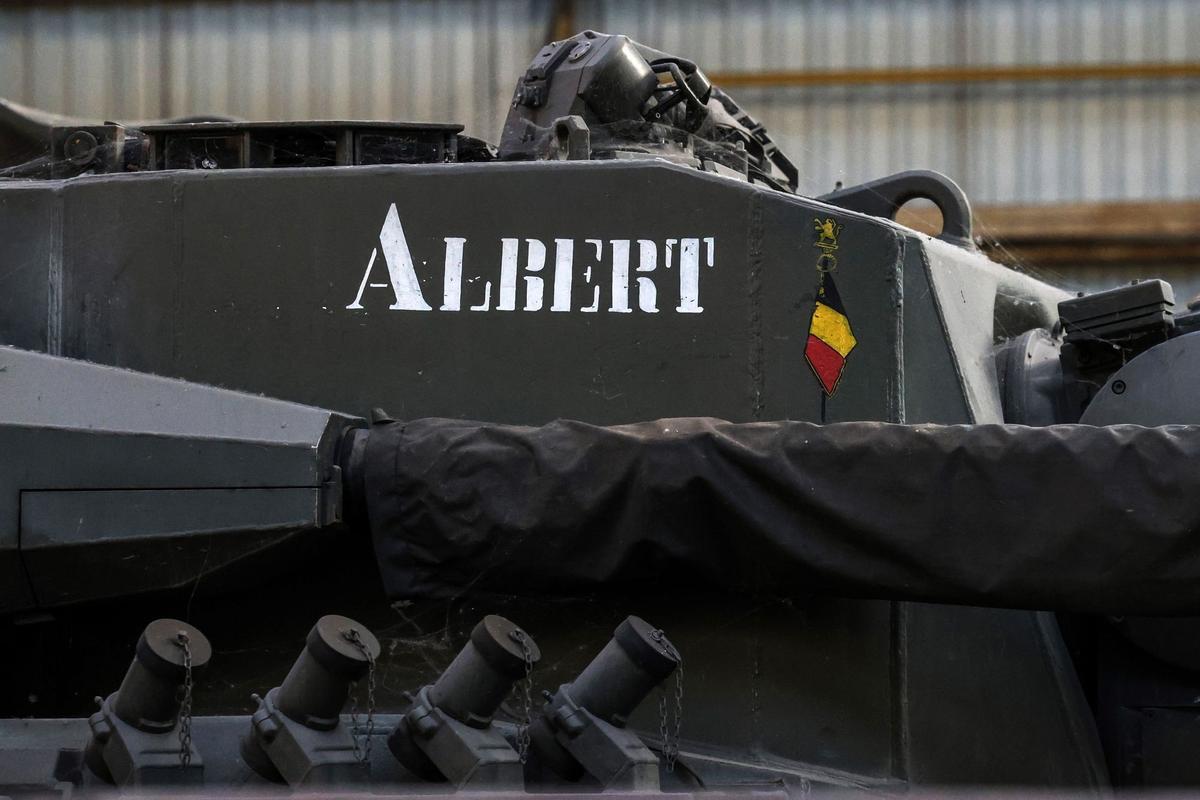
(80, 148)
(1118, 387)
(101, 729)
(426, 726)
(267, 729)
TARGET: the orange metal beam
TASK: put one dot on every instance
(962, 74)
(1114, 233)
(562, 20)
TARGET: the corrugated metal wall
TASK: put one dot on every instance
(1029, 142)
(291, 59)
(457, 60)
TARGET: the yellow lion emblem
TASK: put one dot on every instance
(829, 230)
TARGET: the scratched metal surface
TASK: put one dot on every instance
(243, 279)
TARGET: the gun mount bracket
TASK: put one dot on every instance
(614, 756)
(135, 736)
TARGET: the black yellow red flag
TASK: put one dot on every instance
(830, 338)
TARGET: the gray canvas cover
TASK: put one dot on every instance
(1073, 517)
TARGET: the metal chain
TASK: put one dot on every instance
(185, 706)
(362, 751)
(520, 637)
(678, 717)
(358, 753)
(670, 738)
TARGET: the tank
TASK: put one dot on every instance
(372, 456)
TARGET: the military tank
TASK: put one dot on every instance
(326, 448)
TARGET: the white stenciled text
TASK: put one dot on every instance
(585, 275)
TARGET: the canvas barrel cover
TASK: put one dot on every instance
(1072, 517)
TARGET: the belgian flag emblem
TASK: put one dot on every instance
(830, 338)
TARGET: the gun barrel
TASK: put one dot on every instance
(117, 482)
(1071, 517)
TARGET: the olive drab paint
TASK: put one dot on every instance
(605, 262)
